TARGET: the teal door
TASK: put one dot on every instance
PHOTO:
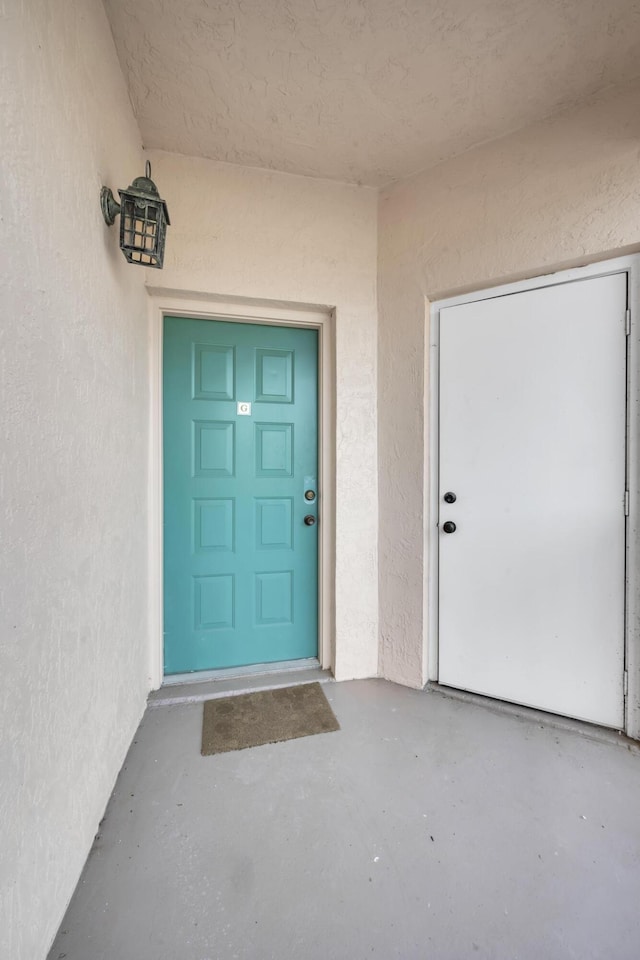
(240, 494)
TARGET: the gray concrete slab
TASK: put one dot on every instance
(426, 828)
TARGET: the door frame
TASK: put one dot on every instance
(237, 310)
(630, 265)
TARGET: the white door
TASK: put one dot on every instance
(532, 445)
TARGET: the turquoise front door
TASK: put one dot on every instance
(240, 494)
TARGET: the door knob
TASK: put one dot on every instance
(448, 527)
(309, 520)
(450, 498)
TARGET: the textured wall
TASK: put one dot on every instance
(73, 458)
(559, 193)
(249, 233)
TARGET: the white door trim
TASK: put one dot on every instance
(631, 266)
(162, 303)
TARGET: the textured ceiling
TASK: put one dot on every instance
(361, 90)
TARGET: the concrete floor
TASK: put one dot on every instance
(426, 828)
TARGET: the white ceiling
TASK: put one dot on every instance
(361, 90)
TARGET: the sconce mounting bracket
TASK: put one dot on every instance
(110, 208)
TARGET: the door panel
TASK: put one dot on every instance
(240, 449)
(532, 443)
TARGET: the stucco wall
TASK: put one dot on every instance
(560, 193)
(250, 233)
(73, 458)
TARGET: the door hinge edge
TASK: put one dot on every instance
(628, 322)
(626, 503)
(625, 683)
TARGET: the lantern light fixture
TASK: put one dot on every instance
(143, 220)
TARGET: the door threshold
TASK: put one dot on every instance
(211, 684)
(591, 731)
(251, 670)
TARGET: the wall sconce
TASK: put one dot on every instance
(143, 220)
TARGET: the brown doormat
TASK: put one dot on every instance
(267, 716)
